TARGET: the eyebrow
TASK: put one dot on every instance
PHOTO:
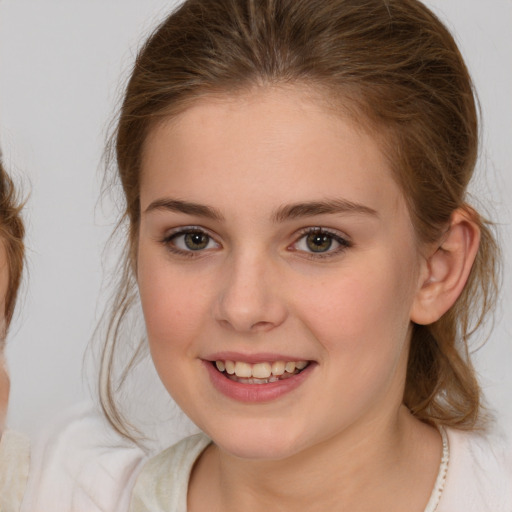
(176, 205)
(331, 206)
(283, 213)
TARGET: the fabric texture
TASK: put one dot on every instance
(478, 479)
(163, 483)
(79, 464)
(14, 467)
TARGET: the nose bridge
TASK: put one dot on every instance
(248, 299)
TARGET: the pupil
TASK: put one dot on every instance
(318, 242)
(196, 241)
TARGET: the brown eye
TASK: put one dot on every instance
(196, 241)
(319, 242)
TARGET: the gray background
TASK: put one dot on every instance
(62, 66)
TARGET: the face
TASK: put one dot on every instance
(275, 244)
(4, 378)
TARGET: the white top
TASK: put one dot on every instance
(477, 476)
(14, 463)
(162, 485)
(79, 464)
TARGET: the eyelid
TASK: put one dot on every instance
(187, 229)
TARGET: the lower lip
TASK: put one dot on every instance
(255, 393)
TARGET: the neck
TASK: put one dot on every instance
(358, 469)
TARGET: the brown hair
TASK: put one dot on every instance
(12, 232)
(394, 67)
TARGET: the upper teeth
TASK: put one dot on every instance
(259, 370)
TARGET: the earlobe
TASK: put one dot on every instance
(447, 269)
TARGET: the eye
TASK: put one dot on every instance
(190, 240)
(321, 242)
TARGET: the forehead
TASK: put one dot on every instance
(265, 144)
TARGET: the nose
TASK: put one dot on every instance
(250, 299)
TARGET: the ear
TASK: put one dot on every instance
(446, 270)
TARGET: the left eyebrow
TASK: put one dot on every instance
(310, 209)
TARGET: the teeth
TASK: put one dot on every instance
(290, 367)
(278, 368)
(243, 369)
(266, 372)
(230, 367)
(262, 370)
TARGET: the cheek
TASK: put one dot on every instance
(173, 304)
(362, 327)
(362, 316)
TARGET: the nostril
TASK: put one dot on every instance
(261, 326)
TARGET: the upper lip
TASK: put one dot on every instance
(260, 357)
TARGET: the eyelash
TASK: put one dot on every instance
(344, 243)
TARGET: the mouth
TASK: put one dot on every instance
(257, 378)
(265, 372)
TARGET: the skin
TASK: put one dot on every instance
(4, 377)
(258, 288)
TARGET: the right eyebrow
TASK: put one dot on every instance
(177, 205)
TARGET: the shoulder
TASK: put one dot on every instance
(14, 463)
(78, 463)
(479, 476)
(163, 482)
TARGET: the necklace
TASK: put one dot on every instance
(435, 497)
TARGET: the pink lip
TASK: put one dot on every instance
(255, 393)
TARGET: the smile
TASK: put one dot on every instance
(259, 373)
(259, 381)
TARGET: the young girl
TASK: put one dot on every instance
(14, 448)
(309, 268)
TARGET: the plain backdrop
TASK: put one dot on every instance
(62, 66)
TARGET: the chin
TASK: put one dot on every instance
(257, 441)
